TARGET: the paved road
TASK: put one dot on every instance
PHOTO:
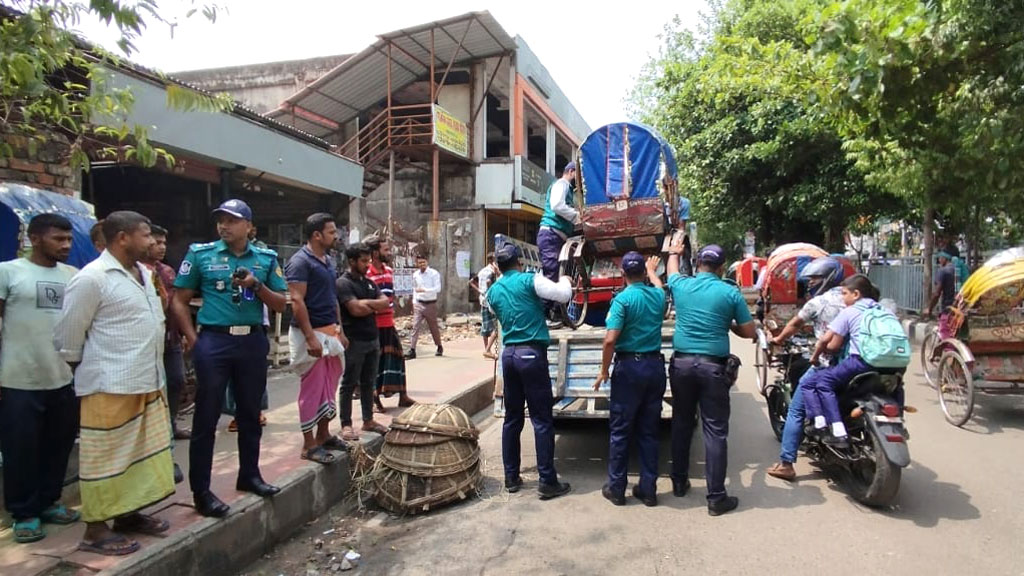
(958, 510)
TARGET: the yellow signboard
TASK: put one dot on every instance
(450, 133)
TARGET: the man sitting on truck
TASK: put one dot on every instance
(559, 221)
(638, 383)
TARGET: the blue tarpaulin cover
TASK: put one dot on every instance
(624, 152)
(19, 203)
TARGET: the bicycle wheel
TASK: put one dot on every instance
(930, 357)
(574, 312)
(956, 388)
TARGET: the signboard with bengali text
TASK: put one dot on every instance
(450, 133)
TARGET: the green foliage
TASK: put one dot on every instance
(52, 81)
(752, 153)
(808, 115)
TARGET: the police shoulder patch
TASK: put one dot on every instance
(264, 251)
(202, 246)
(186, 268)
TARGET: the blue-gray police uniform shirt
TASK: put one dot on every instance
(207, 269)
(706, 307)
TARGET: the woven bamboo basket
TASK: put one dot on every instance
(429, 458)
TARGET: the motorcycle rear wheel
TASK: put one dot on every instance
(877, 483)
(778, 409)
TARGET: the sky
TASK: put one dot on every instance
(593, 53)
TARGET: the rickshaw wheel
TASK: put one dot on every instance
(575, 311)
(761, 362)
(956, 388)
(930, 359)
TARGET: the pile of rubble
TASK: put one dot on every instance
(454, 327)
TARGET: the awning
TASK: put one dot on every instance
(19, 203)
(360, 82)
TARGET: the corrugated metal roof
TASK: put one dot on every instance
(360, 82)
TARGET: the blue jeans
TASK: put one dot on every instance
(793, 431)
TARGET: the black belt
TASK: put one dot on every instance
(637, 356)
(228, 329)
(531, 344)
(426, 301)
(720, 360)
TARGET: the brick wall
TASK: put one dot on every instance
(44, 165)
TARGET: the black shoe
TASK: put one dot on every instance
(256, 486)
(440, 351)
(513, 484)
(178, 476)
(719, 507)
(410, 355)
(617, 499)
(647, 499)
(209, 505)
(679, 489)
(549, 491)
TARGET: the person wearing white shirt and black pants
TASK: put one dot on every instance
(426, 289)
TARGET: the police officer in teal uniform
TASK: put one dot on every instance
(638, 382)
(235, 278)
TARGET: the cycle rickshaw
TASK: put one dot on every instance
(986, 355)
(627, 187)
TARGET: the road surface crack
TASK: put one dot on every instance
(504, 549)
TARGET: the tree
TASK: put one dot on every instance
(54, 82)
(928, 97)
(751, 154)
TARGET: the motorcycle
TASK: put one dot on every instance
(872, 465)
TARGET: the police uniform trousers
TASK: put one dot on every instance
(527, 382)
(700, 381)
(637, 389)
(221, 358)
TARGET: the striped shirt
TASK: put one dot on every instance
(385, 280)
(114, 327)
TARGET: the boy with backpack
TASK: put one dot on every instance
(877, 342)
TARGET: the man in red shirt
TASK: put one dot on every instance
(391, 370)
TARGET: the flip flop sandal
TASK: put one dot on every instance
(375, 427)
(781, 473)
(319, 455)
(142, 524)
(406, 403)
(30, 530)
(103, 546)
(59, 514)
(348, 434)
(335, 443)
(378, 408)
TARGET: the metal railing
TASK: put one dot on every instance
(902, 282)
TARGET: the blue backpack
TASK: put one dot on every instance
(881, 339)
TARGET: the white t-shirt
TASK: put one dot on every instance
(33, 296)
(483, 280)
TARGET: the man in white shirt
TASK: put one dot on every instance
(111, 333)
(38, 407)
(481, 283)
(426, 289)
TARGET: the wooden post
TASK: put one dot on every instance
(391, 192)
(437, 185)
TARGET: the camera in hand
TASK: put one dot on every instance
(239, 293)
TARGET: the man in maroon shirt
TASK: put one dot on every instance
(174, 360)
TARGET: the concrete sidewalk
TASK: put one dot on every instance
(198, 545)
